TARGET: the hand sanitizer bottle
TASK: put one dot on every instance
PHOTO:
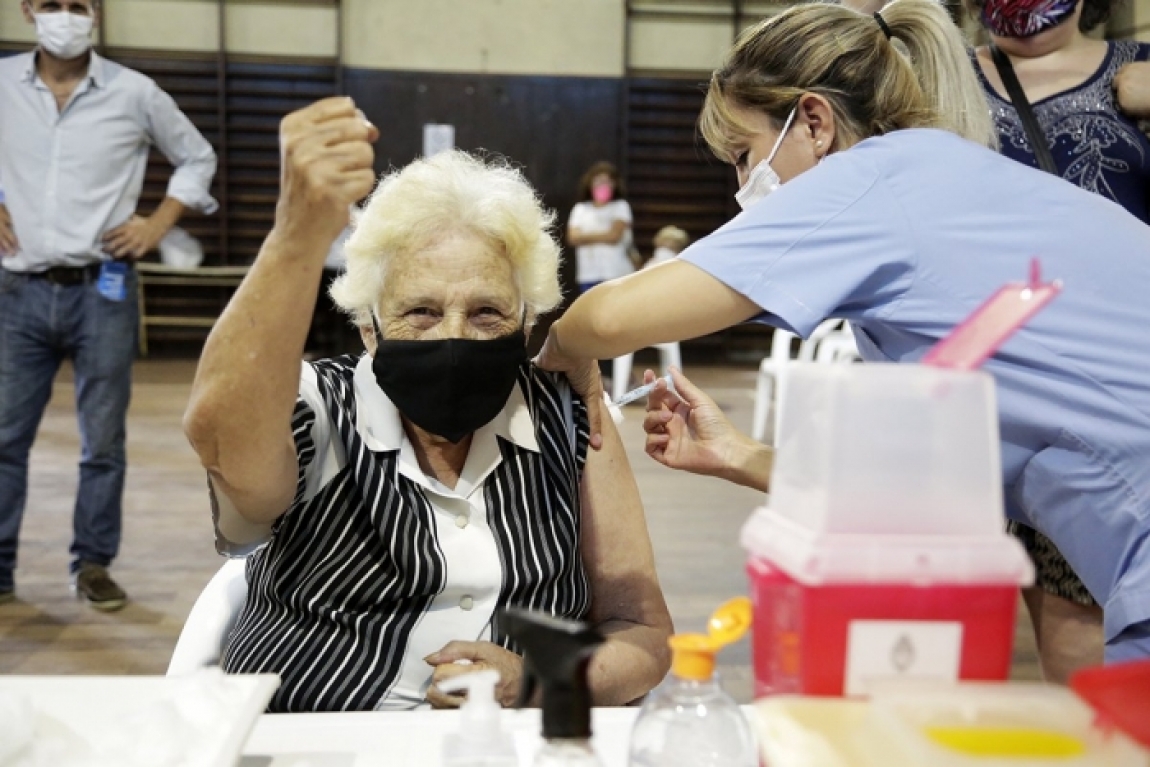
(480, 742)
(689, 720)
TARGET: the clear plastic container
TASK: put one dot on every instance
(964, 725)
(994, 726)
(692, 723)
(875, 448)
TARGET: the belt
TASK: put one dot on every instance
(67, 275)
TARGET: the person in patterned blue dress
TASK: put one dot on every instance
(1087, 95)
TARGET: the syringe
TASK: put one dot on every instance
(644, 390)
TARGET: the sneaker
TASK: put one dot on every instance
(93, 584)
(7, 596)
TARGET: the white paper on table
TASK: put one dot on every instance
(200, 720)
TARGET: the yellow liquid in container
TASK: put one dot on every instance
(1016, 742)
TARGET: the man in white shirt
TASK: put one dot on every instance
(75, 131)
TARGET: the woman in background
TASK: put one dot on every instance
(1087, 95)
(600, 227)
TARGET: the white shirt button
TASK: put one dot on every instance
(466, 602)
(461, 521)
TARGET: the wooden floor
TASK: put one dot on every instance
(167, 554)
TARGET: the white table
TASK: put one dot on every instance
(407, 738)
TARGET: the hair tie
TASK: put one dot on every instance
(882, 24)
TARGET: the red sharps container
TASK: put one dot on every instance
(882, 552)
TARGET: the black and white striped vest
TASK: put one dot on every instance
(336, 593)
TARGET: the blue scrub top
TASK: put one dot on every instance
(905, 235)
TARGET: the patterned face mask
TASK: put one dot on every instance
(1025, 18)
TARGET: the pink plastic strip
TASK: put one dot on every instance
(981, 334)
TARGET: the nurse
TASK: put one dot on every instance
(861, 202)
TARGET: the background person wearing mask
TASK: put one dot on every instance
(600, 227)
(1087, 96)
(857, 206)
(75, 130)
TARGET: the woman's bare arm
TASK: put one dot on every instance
(672, 301)
(668, 302)
(627, 602)
(247, 381)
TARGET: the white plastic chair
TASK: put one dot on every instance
(810, 346)
(772, 373)
(770, 370)
(838, 347)
(621, 368)
(211, 620)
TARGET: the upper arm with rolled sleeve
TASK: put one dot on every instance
(185, 147)
(833, 241)
(311, 432)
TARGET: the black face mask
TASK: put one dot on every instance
(449, 387)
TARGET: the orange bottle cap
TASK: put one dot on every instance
(692, 656)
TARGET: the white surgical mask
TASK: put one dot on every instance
(763, 180)
(64, 35)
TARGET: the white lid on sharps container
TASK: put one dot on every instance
(814, 558)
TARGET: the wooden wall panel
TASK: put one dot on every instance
(552, 127)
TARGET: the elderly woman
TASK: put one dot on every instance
(393, 503)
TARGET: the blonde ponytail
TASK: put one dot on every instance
(922, 77)
(944, 65)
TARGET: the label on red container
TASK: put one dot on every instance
(883, 650)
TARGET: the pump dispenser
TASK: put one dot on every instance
(556, 657)
(480, 742)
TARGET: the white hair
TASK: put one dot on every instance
(440, 196)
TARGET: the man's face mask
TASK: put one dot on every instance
(1025, 18)
(453, 386)
(65, 35)
(763, 180)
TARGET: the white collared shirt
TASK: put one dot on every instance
(71, 175)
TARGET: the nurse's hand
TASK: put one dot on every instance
(1132, 87)
(584, 377)
(686, 430)
(480, 656)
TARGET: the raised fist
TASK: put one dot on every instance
(326, 166)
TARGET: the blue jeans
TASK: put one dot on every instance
(41, 324)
